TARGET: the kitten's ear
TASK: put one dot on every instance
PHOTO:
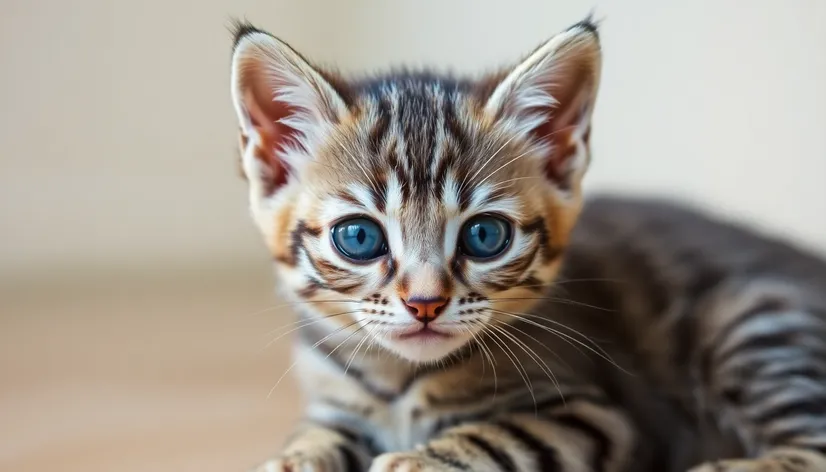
(550, 97)
(284, 107)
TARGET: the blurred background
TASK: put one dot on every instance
(130, 274)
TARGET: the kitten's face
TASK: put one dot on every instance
(415, 211)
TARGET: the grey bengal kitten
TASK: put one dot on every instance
(458, 313)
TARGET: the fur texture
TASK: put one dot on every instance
(639, 336)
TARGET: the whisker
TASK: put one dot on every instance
(513, 358)
(303, 302)
(314, 346)
(500, 185)
(543, 366)
(347, 339)
(561, 282)
(376, 333)
(488, 355)
(556, 323)
(465, 180)
(323, 164)
(597, 279)
(532, 337)
(559, 334)
(520, 156)
(601, 352)
(357, 162)
(554, 299)
(524, 316)
(303, 324)
(356, 350)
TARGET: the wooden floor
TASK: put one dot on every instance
(124, 375)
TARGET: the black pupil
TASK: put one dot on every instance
(483, 234)
(361, 236)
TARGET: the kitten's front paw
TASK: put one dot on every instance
(791, 460)
(298, 463)
(409, 462)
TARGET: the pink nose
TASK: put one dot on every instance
(425, 310)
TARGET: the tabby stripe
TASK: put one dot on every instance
(351, 462)
(751, 362)
(457, 268)
(819, 446)
(347, 434)
(435, 145)
(761, 309)
(519, 265)
(773, 392)
(496, 455)
(378, 193)
(297, 242)
(549, 404)
(355, 438)
(532, 283)
(312, 287)
(363, 411)
(496, 286)
(802, 368)
(454, 126)
(465, 196)
(781, 330)
(483, 392)
(380, 127)
(602, 442)
(796, 431)
(814, 405)
(348, 197)
(440, 176)
(537, 226)
(389, 267)
(546, 457)
(684, 332)
(450, 461)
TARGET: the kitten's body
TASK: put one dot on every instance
(456, 318)
(646, 281)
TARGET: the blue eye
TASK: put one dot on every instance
(485, 236)
(359, 239)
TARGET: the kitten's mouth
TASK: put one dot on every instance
(423, 334)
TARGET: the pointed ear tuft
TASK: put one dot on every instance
(550, 98)
(239, 29)
(588, 24)
(284, 107)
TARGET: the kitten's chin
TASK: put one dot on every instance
(426, 347)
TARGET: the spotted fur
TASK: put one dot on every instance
(633, 336)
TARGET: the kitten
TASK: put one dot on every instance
(459, 314)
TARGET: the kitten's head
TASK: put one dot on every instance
(419, 209)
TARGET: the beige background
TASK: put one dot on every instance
(128, 267)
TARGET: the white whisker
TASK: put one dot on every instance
(505, 165)
(314, 346)
(465, 180)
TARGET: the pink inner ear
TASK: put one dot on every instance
(562, 150)
(558, 131)
(275, 136)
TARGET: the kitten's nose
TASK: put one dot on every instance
(425, 310)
